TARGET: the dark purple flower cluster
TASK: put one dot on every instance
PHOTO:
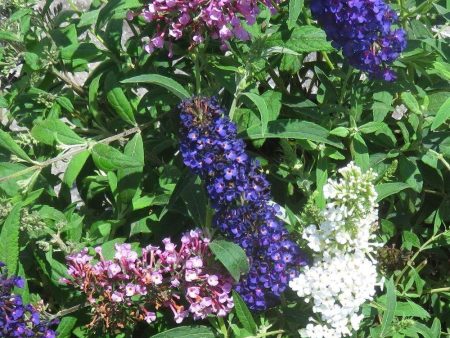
(240, 194)
(363, 30)
(16, 318)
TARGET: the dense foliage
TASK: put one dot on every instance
(223, 168)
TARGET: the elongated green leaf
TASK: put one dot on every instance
(360, 152)
(118, 100)
(92, 98)
(243, 314)
(108, 158)
(74, 167)
(387, 189)
(7, 142)
(442, 115)
(295, 8)
(295, 129)
(129, 179)
(66, 326)
(391, 302)
(163, 81)
(321, 180)
(54, 131)
(411, 102)
(9, 240)
(232, 256)
(436, 328)
(187, 332)
(8, 36)
(263, 110)
(411, 309)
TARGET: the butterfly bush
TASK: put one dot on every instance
(16, 318)
(343, 275)
(363, 29)
(129, 288)
(240, 195)
(218, 19)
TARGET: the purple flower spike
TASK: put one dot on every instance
(16, 318)
(240, 194)
(363, 30)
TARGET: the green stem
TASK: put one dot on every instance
(271, 333)
(73, 152)
(446, 289)
(327, 60)
(65, 312)
(441, 158)
(197, 73)
(414, 257)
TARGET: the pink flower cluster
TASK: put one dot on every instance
(220, 18)
(130, 288)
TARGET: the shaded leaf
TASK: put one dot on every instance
(232, 256)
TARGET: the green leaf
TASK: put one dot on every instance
(7, 142)
(243, 313)
(442, 69)
(81, 54)
(32, 60)
(187, 332)
(295, 129)
(410, 240)
(10, 186)
(360, 153)
(301, 39)
(410, 101)
(340, 131)
(9, 240)
(65, 103)
(263, 110)
(442, 115)
(321, 180)
(54, 131)
(382, 105)
(108, 158)
(118, 100)
(74, 167)
(387, 189)
(232, 256)
(372, 127)
(93, 98)
(163, 81)
(295, 8)
(66, 326)
(130, 178)
(391, 303)
(8, 36)
(411, 309)
(88, 18)
(436, 328)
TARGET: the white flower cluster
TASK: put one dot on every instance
(344, 275)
